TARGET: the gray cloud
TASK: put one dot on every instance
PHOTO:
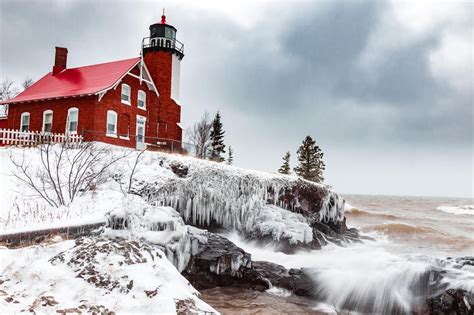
(293, 72)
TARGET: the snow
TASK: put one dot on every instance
(211, 192)
(29, 275)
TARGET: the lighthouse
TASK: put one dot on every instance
(162, 54)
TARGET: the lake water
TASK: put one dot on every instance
(412, 234)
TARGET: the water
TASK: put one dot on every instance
(412, 235)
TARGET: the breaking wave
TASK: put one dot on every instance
(364, 277)
(356, 212)
(462, 210)
(392, 229)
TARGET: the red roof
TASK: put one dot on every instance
(77, 81)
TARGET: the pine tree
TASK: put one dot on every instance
(230, 158)
(310, 157)
(217, 140)
(285, 168)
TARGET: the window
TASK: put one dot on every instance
(140, 135)
(124, 130)
(125, 94)
(72, 119)
(141, 99)
(25, 122)
(111, 123)
(47, 121)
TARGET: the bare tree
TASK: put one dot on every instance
(200, 135)
(133, 168)
(27, 82)
(7, 90)
(63, 172)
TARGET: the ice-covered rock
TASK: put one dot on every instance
(220, 263)
(211, 195)
(160, 226)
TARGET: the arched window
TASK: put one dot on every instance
(141, 103)
(111, 123)
(25, 122)
(126, 91)
(47, 121)
(72, 120)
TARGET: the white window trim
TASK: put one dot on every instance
(129, 94)
(144, 100)
(48, 111)
(114, 134)
(68, 120)
(21, 121)
(141, 119)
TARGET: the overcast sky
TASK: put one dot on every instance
(385, 88)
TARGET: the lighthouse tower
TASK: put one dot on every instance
(162, 54)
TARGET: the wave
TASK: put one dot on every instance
(463, 210)
(356, 212)
(400, 229)
(365, 277)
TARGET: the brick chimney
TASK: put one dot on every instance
(60, 60)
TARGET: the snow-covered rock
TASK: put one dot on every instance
(211, 195)
(274, 207)
(160, 226)
(94, 275)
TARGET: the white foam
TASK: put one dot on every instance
(461, 210)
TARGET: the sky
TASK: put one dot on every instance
(384, 87)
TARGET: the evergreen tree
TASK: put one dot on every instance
(285, 168)
(310, 157)
(217, 140)
(230, 158)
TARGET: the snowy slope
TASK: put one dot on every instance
(97, 275)
(209, 193)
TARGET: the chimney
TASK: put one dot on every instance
(60, 60)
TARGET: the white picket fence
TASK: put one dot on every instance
(34, 138)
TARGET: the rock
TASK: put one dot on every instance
(452, 301)
(179, 169)
(213, 196)
(220, 263)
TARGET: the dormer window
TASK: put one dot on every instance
(141, 103)
(126, 91)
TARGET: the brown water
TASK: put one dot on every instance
(231, 300)
(410, 233)
(416, 224)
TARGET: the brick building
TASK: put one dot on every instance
(131, 103)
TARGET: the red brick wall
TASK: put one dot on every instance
(60, 110)
(159, 64)
(112, 101)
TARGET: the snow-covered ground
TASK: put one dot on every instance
(31, 280)
(149, 221)
(231, 196)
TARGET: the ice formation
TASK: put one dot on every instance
(205, 194)
(161, 226)
(212, 194)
